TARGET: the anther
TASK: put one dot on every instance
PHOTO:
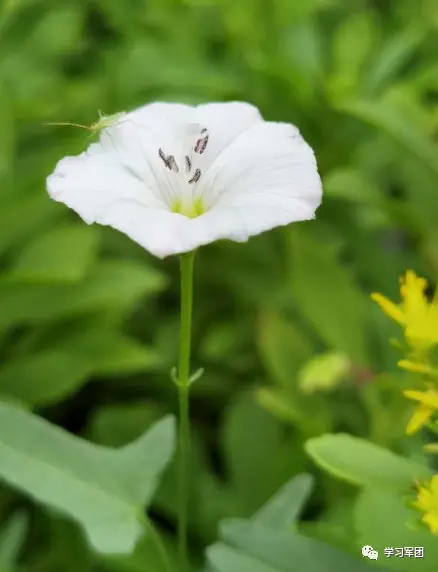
(195, 177)
(201, 144)
(188, 164)
(173, 164)
(169, 161)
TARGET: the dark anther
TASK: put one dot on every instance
(188, 164)
(195, 177)
(204, 130)
(173, 164)
(201, 144)
(169, 161)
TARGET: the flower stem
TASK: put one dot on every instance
(183, 383)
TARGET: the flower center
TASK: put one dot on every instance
(187, 204)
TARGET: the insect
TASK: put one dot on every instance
(103, 122)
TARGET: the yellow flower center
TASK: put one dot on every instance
(195, 209)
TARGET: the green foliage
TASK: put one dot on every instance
(104, 489)
(89, 321)
(362, 463)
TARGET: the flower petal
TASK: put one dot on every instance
(224, 123)
(266, 178)
(429, 398)
(95, 179)
(420, 417)
(160, 232)
(390, 309)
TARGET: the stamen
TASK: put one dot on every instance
(164, 158)
(201, 144)
(169, 161)
(195, 177)
(173, 164)
(188, 164)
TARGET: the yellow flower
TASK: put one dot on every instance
(428, 405)
(427, 502)
(418, 317)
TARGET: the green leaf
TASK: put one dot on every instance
(387, 118)
(360, 462)
(43, 378)
(257, 452)
(12, 537)
(277, 551)
(117, 424)
(325, 293)
(284, 348)
(284, 508)
(108, 352)
(103, 489)
(111, 284)
(21, 217)
(392, 56)
(383, 520)
(63, 254)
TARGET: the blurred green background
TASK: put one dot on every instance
(291, 343)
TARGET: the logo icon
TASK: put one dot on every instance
(369, 552)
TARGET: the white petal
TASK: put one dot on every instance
(267, 169)
(93, 181)
(160, 232)
(224, 122)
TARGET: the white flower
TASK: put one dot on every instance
(174, 177)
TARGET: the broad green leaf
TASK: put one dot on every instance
(284, 508)
(383, 520)
(111, 284)
(117, 424)
(43, 378)
(105, 490)
(325, 293)
(12, 537)
(280, 551)
(63, 254)
(360, 462)
(222, 558)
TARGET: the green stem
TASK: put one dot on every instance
(186, 261)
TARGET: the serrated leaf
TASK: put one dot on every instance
(63, 254)
(360, 462)
(103, 489)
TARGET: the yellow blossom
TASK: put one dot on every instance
(427, 503)
(418, 317)
(428, 405)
